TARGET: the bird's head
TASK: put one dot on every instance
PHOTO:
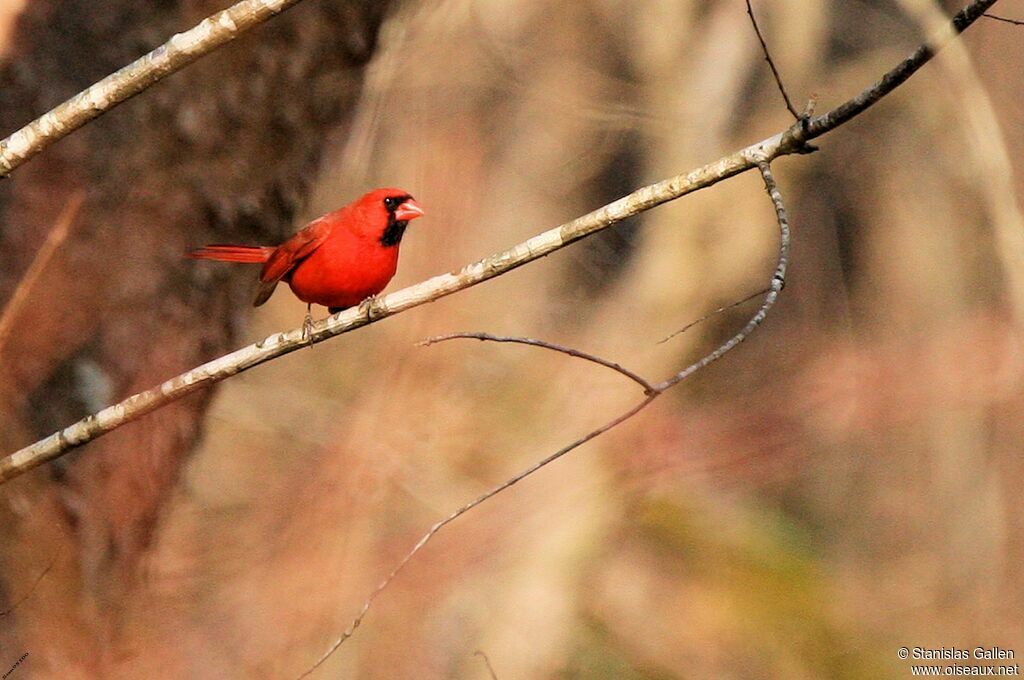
(385, 213)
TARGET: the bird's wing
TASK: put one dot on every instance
(287, 255)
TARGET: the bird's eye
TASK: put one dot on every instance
(390, 202)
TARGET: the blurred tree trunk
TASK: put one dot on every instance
(223, 151)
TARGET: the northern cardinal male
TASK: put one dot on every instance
(338, 260)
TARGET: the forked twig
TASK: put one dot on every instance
(654, 391)
(898, 75)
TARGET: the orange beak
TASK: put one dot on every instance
(409, 210)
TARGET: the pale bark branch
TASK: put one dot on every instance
(180, 51)
(790, 141)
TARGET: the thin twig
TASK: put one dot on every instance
(711, 314)
(1015, 22)
(54, 240)
(771, 63)
(178, 52)
(790, 141)
(773, 290)
(487, 662)
(31, 590)
(547, 345)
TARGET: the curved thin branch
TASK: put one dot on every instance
(790, 141)
(534, 342)
(180, 51)
(774, 288)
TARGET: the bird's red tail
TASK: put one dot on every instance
(233, 253)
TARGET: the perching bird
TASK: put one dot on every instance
(338, 260)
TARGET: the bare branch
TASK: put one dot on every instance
(771, 63)
(547, 345)
(773, 290)
(180, 51)
(790, 141)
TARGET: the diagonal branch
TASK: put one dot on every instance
(175, 54)
(897, 76)
(774, 288)
(790, 141)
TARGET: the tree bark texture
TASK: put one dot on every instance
(223, 151)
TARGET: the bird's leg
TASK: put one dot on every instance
(307, 324)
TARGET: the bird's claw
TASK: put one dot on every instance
(307, 328)
(366, 307)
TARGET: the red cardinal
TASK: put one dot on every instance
(336, 261)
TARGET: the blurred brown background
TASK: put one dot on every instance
(845, 483)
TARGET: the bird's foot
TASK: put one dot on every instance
(307, 325)
(367, 307)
